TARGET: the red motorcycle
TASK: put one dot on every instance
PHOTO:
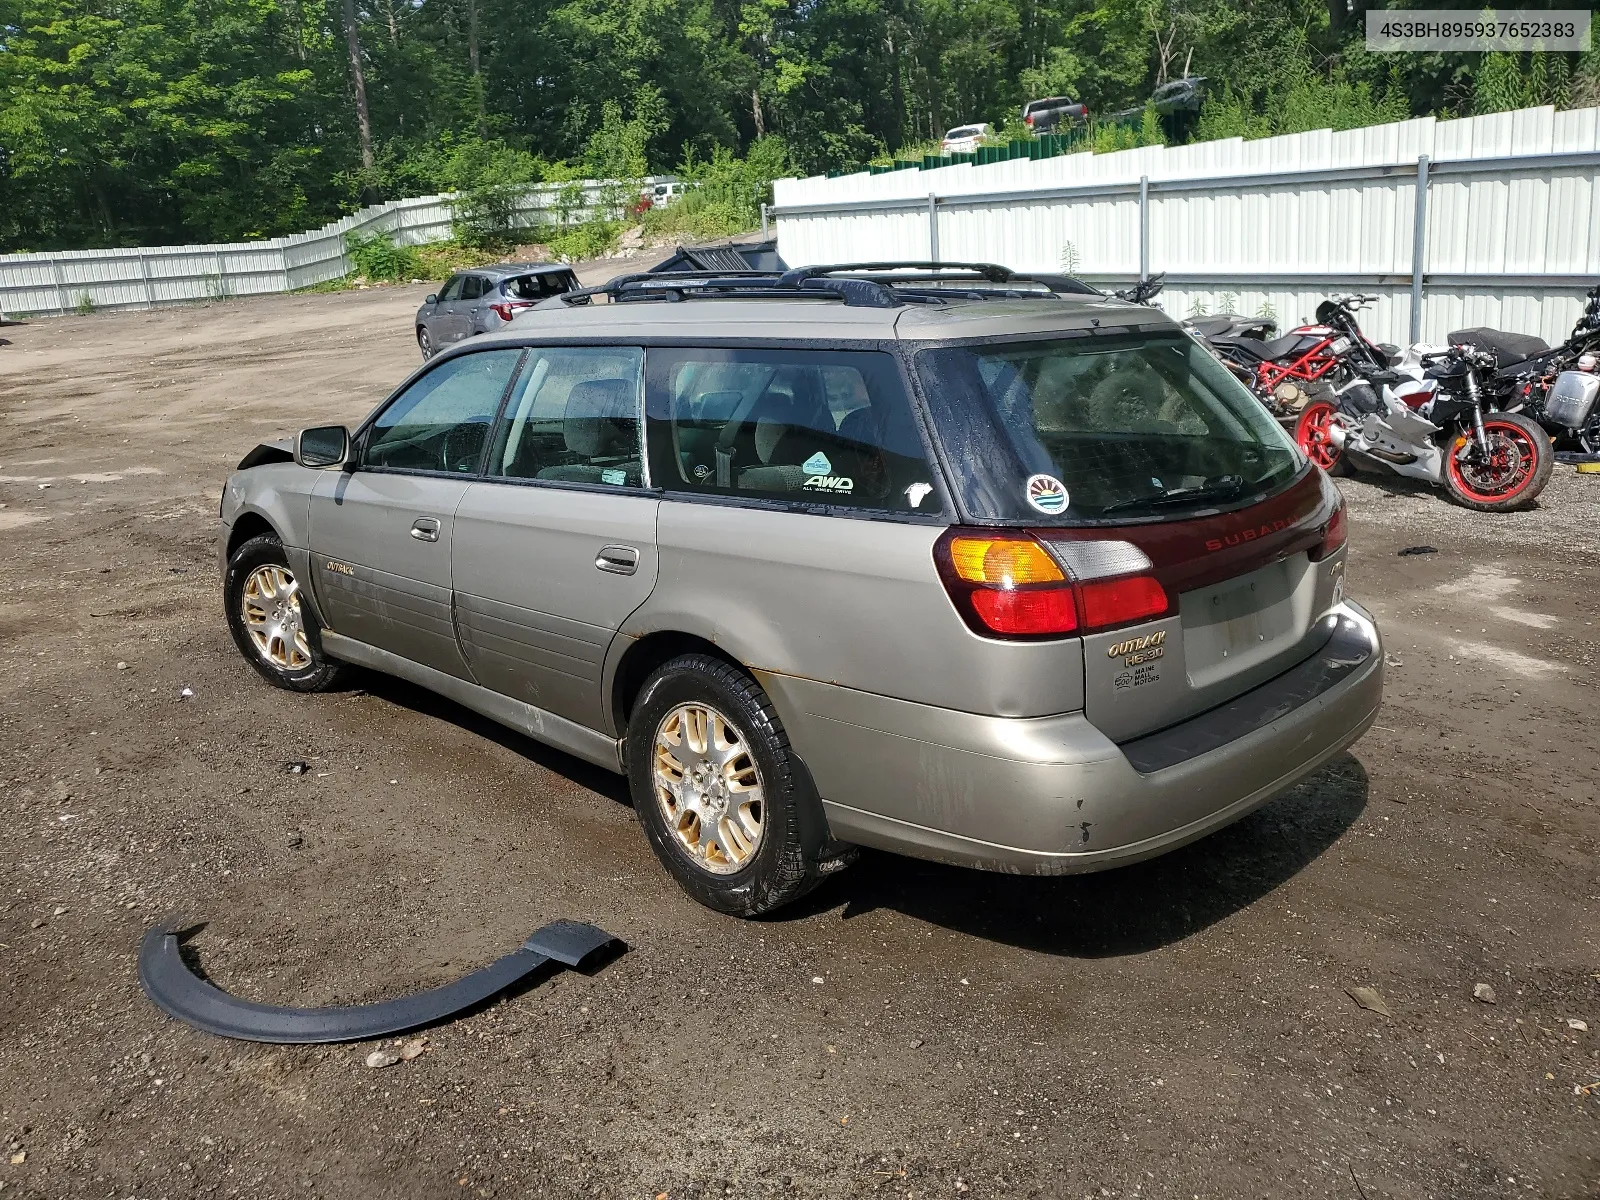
(1298, 373)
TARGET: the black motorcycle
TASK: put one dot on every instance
(1558, 386)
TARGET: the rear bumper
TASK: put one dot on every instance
(1053, 795)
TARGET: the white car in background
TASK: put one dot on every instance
(965, 139)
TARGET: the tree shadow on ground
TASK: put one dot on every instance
(1129, 910)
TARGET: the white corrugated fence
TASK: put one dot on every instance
(1509, 220)
(152, 276)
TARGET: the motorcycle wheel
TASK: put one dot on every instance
(1517, 468)
(1311, 432)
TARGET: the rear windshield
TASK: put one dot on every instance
(537, 287)
(1074, 429)
(965, 131)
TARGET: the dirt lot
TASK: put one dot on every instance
(1181, 1028)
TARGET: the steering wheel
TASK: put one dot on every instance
(459, 449)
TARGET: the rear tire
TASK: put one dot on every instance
(1311, 434)
(723, 801)
(1521, 460)
(270, 624)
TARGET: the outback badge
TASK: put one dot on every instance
(1134, 651)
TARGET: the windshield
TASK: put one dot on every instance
(1082, 428)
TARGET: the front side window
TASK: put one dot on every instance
(441, 422)
(451, 290)
(809, 426)
(573, 417)
(1144, 425)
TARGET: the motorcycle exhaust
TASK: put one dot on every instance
(1391, 456)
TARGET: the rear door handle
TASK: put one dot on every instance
(425, 529)
(619, 560)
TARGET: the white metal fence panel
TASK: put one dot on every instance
(149, 277)
(1510, 218)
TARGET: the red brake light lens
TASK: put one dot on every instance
(506, 309)
(1045, 612)
(1108, 602)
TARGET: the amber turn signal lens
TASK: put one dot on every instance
(1003, 562)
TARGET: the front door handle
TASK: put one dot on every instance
(425, 529)
(619, 560)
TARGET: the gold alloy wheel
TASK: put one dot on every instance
(709, 788)
(270, 607)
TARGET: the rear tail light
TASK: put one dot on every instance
(1334, 532)
(1028, 121)
(1108, 602)
(1018, 585)
(506, 309)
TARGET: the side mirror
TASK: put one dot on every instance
(322, 446)
(433, 298)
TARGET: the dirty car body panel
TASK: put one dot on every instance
(787, 484)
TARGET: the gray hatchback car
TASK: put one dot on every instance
(485, 300)
(1019, 581)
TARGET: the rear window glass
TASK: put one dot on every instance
(537, 287)
(964, 131)
(1128, 426)
(810, 426)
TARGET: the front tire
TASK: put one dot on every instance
(425, 342)
(270, 624)
(1517, 468)
(717, 788)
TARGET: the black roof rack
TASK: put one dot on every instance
(856, 293)
(990, 272)
(857, 285)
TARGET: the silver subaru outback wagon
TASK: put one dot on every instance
(945, 566)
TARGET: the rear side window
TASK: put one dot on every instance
(573, 417)
(472, 287)
(1142, 426)
(808, 426)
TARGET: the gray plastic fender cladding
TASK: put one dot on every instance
(178, 992)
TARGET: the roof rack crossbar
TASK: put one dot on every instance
(993, 272)
(856, 293)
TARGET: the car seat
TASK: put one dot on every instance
(600, 425)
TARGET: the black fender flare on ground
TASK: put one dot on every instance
(179, 992)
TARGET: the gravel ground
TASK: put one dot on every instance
(1181, 1028)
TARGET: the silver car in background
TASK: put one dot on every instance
(484, 300)
(991, 575)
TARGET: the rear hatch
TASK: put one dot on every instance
(1203, 550)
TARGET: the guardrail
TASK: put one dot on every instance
(155, 276)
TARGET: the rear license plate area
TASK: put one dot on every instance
(1231, 626)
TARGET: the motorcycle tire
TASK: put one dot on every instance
(1519, 466)
(1311, 435)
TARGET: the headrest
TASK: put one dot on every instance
(600, 418)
